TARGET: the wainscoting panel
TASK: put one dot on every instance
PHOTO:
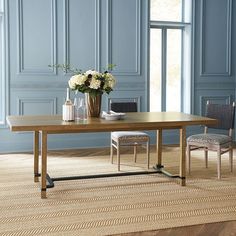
(215, 32)
(89, 34)
(36, 102)
(36, 106)
(124, 37)
(36, 39)
(81, 35)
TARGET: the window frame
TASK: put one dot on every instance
(187, 27)
(4, 73)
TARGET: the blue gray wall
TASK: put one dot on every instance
(214, 53)
(91, 34)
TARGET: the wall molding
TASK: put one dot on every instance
(62, 84)
(66, 44)
(66, 32)
(4, 97)
(137, 70)
(97, 35)
(204, 99)
(22, 101)
(20, 43)
(2, 74)
(228, 40)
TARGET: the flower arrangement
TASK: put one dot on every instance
(91, 81)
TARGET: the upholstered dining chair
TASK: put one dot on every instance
(209, 141)
(127, 138)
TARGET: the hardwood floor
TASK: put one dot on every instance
(214, 229)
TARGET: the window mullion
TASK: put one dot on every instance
(182, 72)
(163, 68)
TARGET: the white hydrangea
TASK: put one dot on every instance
(92, 72)
(95, 83)
(95, 79)
(110, 81)
(77, 80)
(72, 82)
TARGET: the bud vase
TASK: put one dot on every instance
(93, 103)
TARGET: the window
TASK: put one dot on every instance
(2, 67)
(170, 55)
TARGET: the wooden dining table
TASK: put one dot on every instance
(42, 126)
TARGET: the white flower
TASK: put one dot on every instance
(72, 82)
(77, 80)
(92, 72)
(111, 83)
(110, 80)
(81, 79)
(92, 81)
(95, 83)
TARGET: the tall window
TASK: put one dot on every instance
(2, 67)
(170, 56)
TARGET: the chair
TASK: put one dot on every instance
(220, 143)
(127, 138)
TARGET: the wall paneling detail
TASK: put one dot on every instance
(215, 37)
(37, 106)
(123, 36)
(82, 44)
(36, 36)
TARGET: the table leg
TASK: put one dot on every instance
(159, 148)
(36, 156)
(44, 164)
(182, 141)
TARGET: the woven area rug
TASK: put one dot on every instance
(115, 205)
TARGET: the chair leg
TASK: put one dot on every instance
(188, 158)
(135, 153)
(206, 157)
(111, 153)
(118, 155)
(219, 163)
(231, 158)
(148, 155)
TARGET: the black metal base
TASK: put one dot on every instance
(158, 169)
(50, 181)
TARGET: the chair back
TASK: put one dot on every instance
(124, 106)
(224, 113)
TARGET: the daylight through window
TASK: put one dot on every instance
(170, 37)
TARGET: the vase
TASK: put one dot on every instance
(93, 103)
(80, 109)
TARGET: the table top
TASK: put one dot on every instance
(132, 121)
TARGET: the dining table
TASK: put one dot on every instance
(44, 125)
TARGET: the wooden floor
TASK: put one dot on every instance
(213, 229)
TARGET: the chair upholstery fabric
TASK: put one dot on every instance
(128, 134)
(221, 143)
(216, 139)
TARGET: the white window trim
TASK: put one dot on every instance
(4, 83)
(187, 72)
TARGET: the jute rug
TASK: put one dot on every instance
(111, 205)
